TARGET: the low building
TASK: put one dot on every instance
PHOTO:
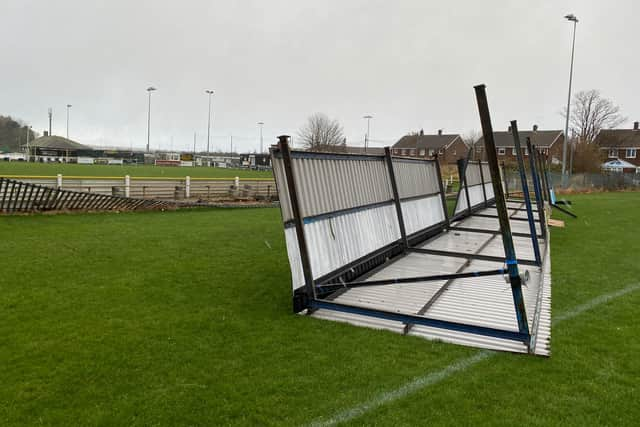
(622, 144)
(448, 147)
(258, 161)
(51, 148)
(109, 156)
(549, 142)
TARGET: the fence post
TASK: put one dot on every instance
(187, 187)
(59, 180)
(503, 214)
(127, 186)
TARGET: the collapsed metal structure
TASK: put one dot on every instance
(370, 242)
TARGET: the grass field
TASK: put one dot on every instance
(183, 318)
(52, 169)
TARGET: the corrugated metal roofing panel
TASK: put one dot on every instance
(483, 302)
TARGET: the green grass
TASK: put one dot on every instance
(52, 169)
(184, 318)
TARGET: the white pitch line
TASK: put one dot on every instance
(457, 366)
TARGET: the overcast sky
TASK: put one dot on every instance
(410, 64)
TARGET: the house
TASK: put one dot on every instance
(448, 147)
(623, 144)
(354, 149)
(548, 142)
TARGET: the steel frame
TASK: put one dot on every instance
(317, 293)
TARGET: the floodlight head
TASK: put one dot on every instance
(151, 88)
(210, 92)
(260, 123)
(367, 117)
(69, 105)
(571, 17)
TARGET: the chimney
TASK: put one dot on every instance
(635, 125)
(46, 133)
(535, 128)
(421, 132)
(509, 129)
(439, 132)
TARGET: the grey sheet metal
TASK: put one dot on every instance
(485, 302)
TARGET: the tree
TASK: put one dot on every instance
(587, 158)
(320, 133)
(471, 139)
(590, 113)
(13, 134)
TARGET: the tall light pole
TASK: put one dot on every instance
(366, 138)
(261, 124)
(209, 92)
(68, 107)
(149, 90)
(572, 18)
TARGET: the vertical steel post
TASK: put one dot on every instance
(396, 198)
(462, 174)
(545, 177)
(283, 143)
(484, 192)
(501, 207)
(506, 181)
(525, 192)
(537, 189)
(442, 191)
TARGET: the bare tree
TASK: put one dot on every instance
(591, 112)
(320, 133)
(471, 139)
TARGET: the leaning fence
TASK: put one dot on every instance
(23, 197)
(163, 187)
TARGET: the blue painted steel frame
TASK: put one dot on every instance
(525, 192)
(421, 320)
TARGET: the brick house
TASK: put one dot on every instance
(547, 141)
(448, 147)
(623, 144)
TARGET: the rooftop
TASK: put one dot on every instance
(421, 140)
(619, 137)
(539, 138)
(57, 143)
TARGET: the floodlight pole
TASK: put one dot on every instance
(503, 214)
(149, 90)
(209, 92)
(261, 145)
(68, 107)
(366, 139)
(573, 19)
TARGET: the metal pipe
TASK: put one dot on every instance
(400, 280)
(501, 206)
(536, 187)
(283, 143)
(566, 123)
(525, 191)
(484, 191)
(442, 192)
(396, 198)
